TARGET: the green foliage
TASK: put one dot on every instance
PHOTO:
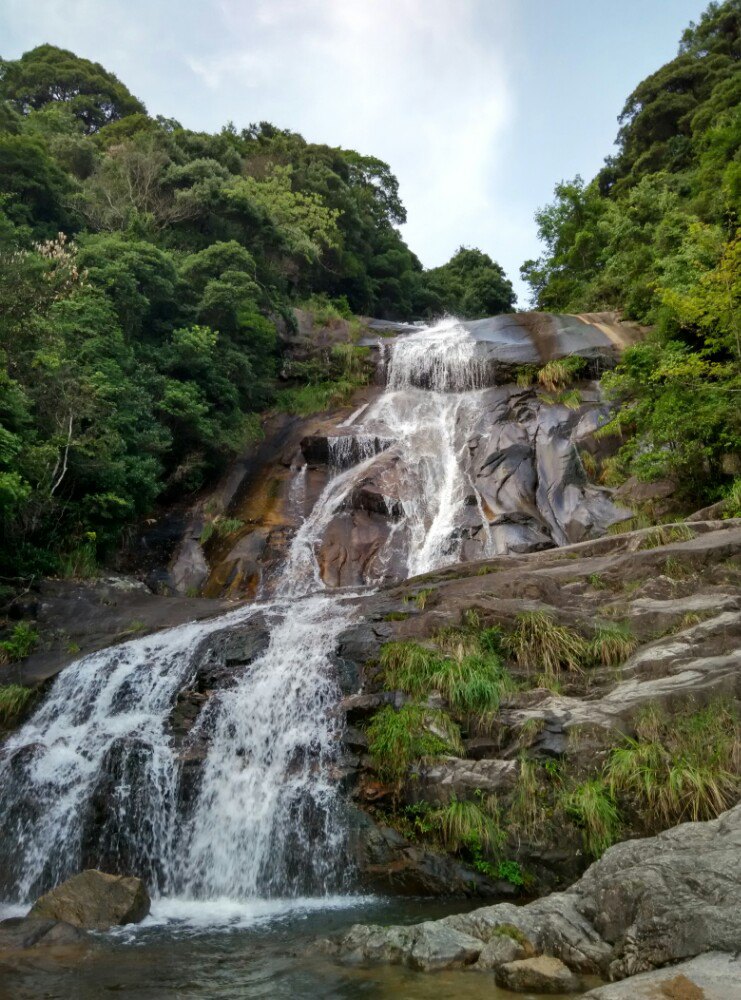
(559, 374)
(472, 680)
(612, 644)
(656, 237)
(47, 74)
(593, 808)
(398, 739)
(470, 285)
(14, 703)
(465, 823)
(683, 767)
(20, 643)
(539, 644)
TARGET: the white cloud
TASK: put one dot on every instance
(416, 82)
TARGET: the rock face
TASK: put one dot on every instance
(95, 901)
(644, 904)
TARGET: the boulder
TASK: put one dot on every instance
(428, 947)
(713, 976)
(94, 900)
(542, 974)
(501, 950)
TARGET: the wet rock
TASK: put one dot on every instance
(95, 901)
(38, 933)
(428, 947)
(542, 974)
(644, 904)
(387, 862)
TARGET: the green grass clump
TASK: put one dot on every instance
(14, 701)
(612, 644)
(19, 644)
(220, 527)
(465, 823)
(396, 616)
(559, 374)
(592, 806)
(316, 397)
(398, 739)
(732, 499)
(683, 767)
(472, 682)
(539, 644)
(570, 398)
(420, 598)
(596, 582)
(665, 535)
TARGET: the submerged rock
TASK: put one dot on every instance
(95, 901)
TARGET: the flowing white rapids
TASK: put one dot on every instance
(95, 775)
(435, 379)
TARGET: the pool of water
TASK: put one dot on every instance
(228, 951)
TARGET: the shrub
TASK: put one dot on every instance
(397, 739)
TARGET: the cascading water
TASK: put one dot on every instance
(266, 820)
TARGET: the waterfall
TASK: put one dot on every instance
(95, 775)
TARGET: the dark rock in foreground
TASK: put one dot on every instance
(95, 901)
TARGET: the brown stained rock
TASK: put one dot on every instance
(94, 900)
(542, 974)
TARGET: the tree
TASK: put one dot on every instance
(48, 74)
(470, 285)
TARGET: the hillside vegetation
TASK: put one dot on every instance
(145, 270)
(656, 236)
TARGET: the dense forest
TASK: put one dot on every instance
(656, 235)
(144, 273)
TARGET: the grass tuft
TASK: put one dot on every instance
(398, 739)
(14, 702)
(612, 644)
(19, 644)
(592, 806)
(559, 374)
(539, 644)
(683, 767)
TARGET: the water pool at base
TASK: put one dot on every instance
(227, 951)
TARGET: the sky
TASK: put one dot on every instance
(479, 106)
